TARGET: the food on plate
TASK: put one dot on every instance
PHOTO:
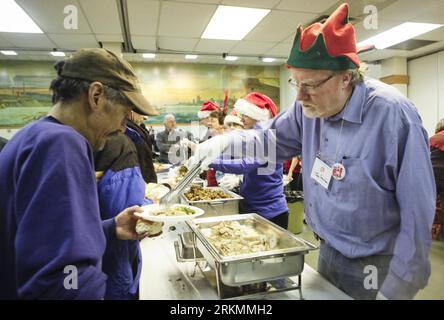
(231, 238)
(198, 193)
(154, 191)
(152, 228)
(173, 211)
(161, 166)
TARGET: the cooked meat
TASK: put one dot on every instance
(232, 238)
(197, 193)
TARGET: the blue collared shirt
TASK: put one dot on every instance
(386, 202)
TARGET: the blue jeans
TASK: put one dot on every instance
(349, 275)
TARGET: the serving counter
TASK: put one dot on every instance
(164, 278)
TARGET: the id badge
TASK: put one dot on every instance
(321, 173)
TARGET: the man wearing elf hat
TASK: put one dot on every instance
(368, 180)
(263, 194)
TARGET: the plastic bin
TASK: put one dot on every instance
(295, 202)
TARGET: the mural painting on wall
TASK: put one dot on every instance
(179, 89)
(24, 91)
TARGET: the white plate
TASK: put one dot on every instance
(162, 167)
(147, 213)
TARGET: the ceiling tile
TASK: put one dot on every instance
(252, 47)
(262, 4)
(109, 37)
(406, 10)
(144, 43)
(317, 6)
(280, 50)
(143, 17)
(190, 23)
(49, 15)
(215, 46)
(278, 25)
(100, 13)
(74, 41)
(201, 1)
(29, 40)
(179, 44)
(5, 43)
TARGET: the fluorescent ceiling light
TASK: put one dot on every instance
(191, 56)
(233, 23)
(57, 53)
(14, 19)
(149, 55)
(399, 34)
(268, 59)
(9, 52)
(231, 58)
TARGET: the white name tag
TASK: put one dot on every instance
(321, 173)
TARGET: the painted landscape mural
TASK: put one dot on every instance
(173, 88)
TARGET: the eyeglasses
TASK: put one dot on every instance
(309, 88)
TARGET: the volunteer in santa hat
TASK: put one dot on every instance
(255, 107)
(262, 193)
(369, 191)
(233, 121)
(204, 117)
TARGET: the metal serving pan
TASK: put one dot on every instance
(286, 260)
(217, 207)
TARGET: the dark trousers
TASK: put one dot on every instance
(281, 220)
(352, 275)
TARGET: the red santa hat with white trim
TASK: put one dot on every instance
(257, 106)
(233, 117)
(207, 107)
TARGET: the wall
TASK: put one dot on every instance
(426, 88)
(287, 92)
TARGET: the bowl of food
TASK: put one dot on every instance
(174, 212)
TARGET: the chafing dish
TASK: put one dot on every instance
(232, 275)
(217, 207)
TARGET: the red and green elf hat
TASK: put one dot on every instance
(328, 46)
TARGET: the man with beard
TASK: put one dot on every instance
(369, 191)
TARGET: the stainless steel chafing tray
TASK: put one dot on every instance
(285, 260)
(216, 207)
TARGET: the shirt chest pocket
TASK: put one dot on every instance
(364, 205)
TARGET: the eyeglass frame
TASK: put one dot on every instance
(310, 87)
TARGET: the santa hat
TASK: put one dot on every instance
(233, 117)
(207, 107)
(257, 106)
(327, 46)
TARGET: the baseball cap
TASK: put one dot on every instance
(102, 65)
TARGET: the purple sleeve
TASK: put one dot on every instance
(236, 166)
(60, 241)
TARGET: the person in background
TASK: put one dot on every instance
(369, 189)
(437, 157)
(168, 141)
(49, 209)
(120, 184)
(204, 117)
(294, 174)
(216, 122)
(262, 193)
(136, 130)
(233, 121)
(3, 142)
